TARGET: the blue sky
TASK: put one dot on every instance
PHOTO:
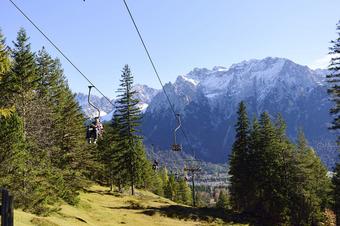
(181, 34)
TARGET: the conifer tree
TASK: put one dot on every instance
(22, 174)
(239, 171)
(22, 80)
(184, 194)
(272, 209)
(336, 191)
(107, 149)
(11, 146)
(47, 71)
(70, 158)
(311, 186)
(5, 65)
(171, 188)
(4, 56)
(255, 156)
(130, 157)
(223, 201)
(334, 92)
(70, 154)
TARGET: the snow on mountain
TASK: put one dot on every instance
(207, 101)
(88, 110)
(143, 93)
(240, 78)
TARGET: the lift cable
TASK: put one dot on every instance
(157, 74)
(60, 51)
(89, 81)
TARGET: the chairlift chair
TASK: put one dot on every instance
(95, 129)
(177, 147)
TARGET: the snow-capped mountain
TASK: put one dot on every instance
(89, 111)
(207, 101)
(143, 93)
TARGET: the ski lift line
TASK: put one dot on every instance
(156, 72)
(59, 50)
(90, 103)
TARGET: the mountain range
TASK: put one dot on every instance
(207, 101)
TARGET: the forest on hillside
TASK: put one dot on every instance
(46, 159)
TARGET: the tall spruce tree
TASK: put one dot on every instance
(223, 200)
(255, 156)
(22, 80)
(171, 188)
(272, 209)
(310, 193)
(184, 194)
(334, 92)
(5, 65)
(130, 157)
(239, 168)
(47, 70)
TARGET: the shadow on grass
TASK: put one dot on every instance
(104, 192)
(196, 214)
(189, 213)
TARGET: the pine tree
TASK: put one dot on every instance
(184, 192)
(106, 151)
(71, 154)
(48, 70)
(334, 92)
(311, 186)
(334, 80)
(11, 146)
(255, 156)
(272, 209)
(223, 201)
(171, 188)
(22, 174)
(5, 65)
(128, 117)
(239, 171)
(22, 81)
(336, 191)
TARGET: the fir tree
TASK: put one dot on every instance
(239, 170)
(272, 209)
(255, 156)
(106, 150)
(48, 70)
(5, 65)
(336, 191)
(130, 157)
(334, 92)
(223, 201)
(171, 188)
(311, 186)
(22, 80)
(183, 192)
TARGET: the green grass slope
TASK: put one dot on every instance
(97, 207)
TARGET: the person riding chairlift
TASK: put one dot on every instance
(155, 165)
(94, 130)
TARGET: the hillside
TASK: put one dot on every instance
(97, 207)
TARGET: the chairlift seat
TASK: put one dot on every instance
(176, 147)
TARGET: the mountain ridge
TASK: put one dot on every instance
(207, 100)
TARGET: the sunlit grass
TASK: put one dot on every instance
(98, 207)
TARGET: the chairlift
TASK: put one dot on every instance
(155, 165)
(95, 129)
(177, 147)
